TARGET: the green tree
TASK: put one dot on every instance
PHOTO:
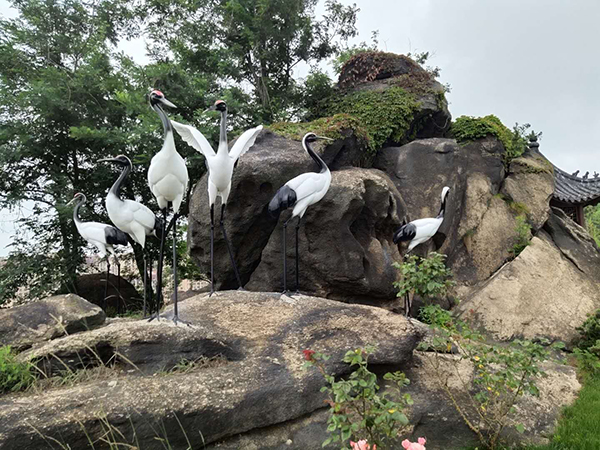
(255, 43)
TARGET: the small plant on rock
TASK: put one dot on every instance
(429, 278)
(501, 374)
(523, 237)
(359, 409)
(14, 374)
(587, 351)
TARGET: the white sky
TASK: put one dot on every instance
(525, 61)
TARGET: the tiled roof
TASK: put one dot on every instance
(572, 189)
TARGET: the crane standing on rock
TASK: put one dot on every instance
(420, 231)
(301, 192)
(168, 179)
(103, 237)
(220, 171)
(129, 216)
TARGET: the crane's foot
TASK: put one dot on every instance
(241, 289)
(154, 316)
(177, 321)
(288, 293)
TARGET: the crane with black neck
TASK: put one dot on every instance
(103, 237)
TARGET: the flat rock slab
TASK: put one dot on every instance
(261, 383)
(35, 322)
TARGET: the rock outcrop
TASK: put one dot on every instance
(345, 240)
(23, 326)
(541, 293)
(258, 380)
(91, 287)
(435, 417)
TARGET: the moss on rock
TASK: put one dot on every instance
(330, 127)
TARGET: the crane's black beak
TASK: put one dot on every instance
(212, 108)
(166, 102)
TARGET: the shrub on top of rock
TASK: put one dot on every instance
(467, 129)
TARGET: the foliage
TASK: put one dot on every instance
(386, 116)
(428, 278)
(14, 375)
(502, 374)
(468, 129)
(256, 43)
(331, 127)
(592, 221)
(578, 426)
(318, 89)
(358, 408)
(589, 331)
(348, 53)
(523, 237)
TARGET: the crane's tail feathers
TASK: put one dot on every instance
(405, 233)
(114, 236)
(158, 226)
(283, 199)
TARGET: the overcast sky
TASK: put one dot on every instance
(525, 61)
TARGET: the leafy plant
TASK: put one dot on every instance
(523, 230)
(358, 409)
(468, 129)
(14, 374)
(501, 374)
(428, 278)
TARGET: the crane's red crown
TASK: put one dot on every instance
(157, 92)
(218, 102)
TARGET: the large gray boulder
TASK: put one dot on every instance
(345, 244)
(257, 382)
(480, 225)
(540, 294)
(345, 239)
(23, 326)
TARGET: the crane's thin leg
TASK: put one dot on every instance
(297, 257)
(407, 304)
(159, 269)
(235, 269)
(285, 291)
(106, 283)
(150, 296)
(212, 249)
(118, 285)
(145, 282)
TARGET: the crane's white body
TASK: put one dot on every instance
(131, 217)
(426, 229)
(310, 188)
(220, 164)
(168, 175)
(95, 234)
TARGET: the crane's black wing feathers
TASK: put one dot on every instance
(283, 199)
(114, 236)
(405, 233)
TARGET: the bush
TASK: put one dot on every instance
(428, 278)
(502, 374)
(358, 409)
(14, 375)
(523, 237)
(468, 129)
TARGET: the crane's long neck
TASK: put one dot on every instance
(223, 147)
(442, 209)
(167, 127)
(76, 210)
(116, 187)
(322, 166)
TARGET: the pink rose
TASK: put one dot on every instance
(419, 445)
(362, 445)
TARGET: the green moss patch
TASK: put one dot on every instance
(385, 115)
(375, 117)
(330, 127)
(468, 129)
